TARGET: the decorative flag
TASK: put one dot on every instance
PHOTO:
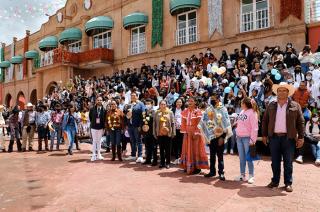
(290, 7)
(215, 14)
(1, 59)
(157, 22)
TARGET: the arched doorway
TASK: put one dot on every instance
(33, 97)
(51, 87)
(8, 100)
(21, 100)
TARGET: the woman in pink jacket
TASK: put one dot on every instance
(247, 132)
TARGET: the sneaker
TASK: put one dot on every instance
(93, 158)
(176, 162)
(231, 152)
(240, 178)
(225, 152)
(139, 160)
(299, 159)
(317, 162)
(130, 158)
(99, 157)
(251, 179)
(272, 185)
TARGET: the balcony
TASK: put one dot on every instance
(88, 59)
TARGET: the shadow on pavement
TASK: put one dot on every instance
(184, 178)
(259, 191)
(78, 161)
(138, 167)
(58, 154)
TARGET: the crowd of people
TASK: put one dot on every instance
(183, 106)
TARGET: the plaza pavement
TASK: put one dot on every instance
(52, 181)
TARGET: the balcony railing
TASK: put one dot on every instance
(187, 35)
(60, 55)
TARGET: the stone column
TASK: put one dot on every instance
(85, 37)
(39, 80)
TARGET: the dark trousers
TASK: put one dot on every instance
(151, 148)
(177, 144)
(282, 147)
(165, 149)
(216, 150)
(124, 142)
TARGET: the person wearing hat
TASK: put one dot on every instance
(14, 129)
(283, 126)
(2, 125)
(28, 126)
(42, 120)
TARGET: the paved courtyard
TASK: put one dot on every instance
(53, 181)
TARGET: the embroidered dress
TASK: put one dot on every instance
(193, 154)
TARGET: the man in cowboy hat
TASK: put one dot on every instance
(283, 126)
(28, 125)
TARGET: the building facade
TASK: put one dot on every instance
(90, 38)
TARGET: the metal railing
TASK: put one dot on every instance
(187, 35)
(312, 11)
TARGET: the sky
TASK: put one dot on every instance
(17, 16)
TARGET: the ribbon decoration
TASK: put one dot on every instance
(290, 7)
(215, 14)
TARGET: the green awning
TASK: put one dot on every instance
(98, 25)
(30, 55)
(5, 64)
(70, 35)
(135, 19)
(178, 6)
(48, 43)
(17, 59)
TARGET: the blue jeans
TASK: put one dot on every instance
(115, 137)
(136, 141)
(304, 68)
(316, 150)
(243, 149)
(57, 132)
(71, 133)
(282, 147)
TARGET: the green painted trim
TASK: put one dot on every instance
(30, 55)
(5, 64)
(18, 59)
(70, 35)
(48, 43)
(135, 19)
(98, 25)
(177, 6)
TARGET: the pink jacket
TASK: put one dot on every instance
(247, 125)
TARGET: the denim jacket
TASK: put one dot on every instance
(66, 125)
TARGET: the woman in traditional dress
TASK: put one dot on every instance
(193, 156)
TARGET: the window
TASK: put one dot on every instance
(312, 11)
(102, 40)
(254, 15)
(186, 28)
(138, 40)
(75, 47)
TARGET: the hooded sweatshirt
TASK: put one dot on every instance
(247, 125)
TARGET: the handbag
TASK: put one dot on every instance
(253, 151)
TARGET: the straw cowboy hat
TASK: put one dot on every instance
(29, 104)
(290, 88)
